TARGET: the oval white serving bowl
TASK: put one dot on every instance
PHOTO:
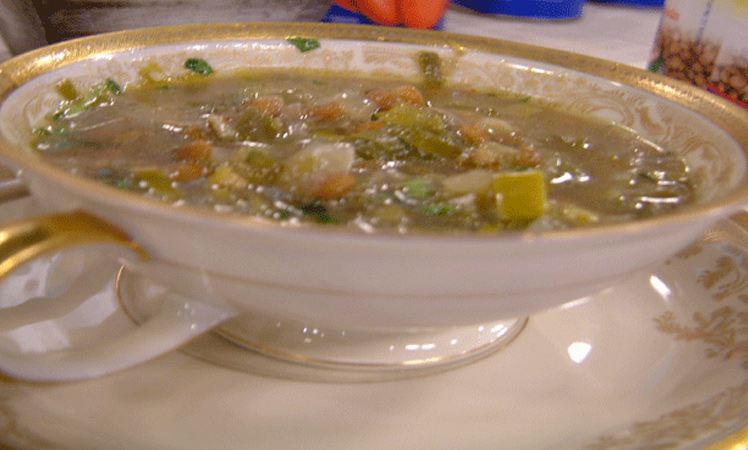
(340, 277)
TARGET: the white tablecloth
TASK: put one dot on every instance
(621, 34)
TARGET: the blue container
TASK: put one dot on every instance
(537, 9)
(634, 3)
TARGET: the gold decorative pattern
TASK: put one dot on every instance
(722, 332)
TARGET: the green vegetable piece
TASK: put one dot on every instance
(67, 89)
(431, 68)
(649, 176)
(434, 145)
(199, 66)
(112, 86)
(439, 209)
(96, 95)
(253, 125)
(521, 195)
(419, 188)
(160, 183)
(319, 212)
(305, 44)
(259, 167)
(411, 116)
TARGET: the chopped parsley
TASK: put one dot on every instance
(305, 44)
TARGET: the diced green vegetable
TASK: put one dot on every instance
(258, 167)
(649, 176)
(160, 183)
(410, 116)
(419, 188)
(305, 44)
(439, 209)
(96, 95)
(67, 89)
(431, 144)
(112, 86)
(199, 66)
(431, 68)
(521, 196)
(319, 212)
(225, 175)
(253, 125)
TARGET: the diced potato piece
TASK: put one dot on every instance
(496, 127)
(579, 216)
(225, 176)
(474, 181)
(222, 128)
(492, 154)
(355, 107)
(313, 162)
(521, 196)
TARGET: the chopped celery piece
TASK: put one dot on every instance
(430, 144)
(419, 187)
(96, 95)
(258, 167)
(253, 125)
(431, 68)
(410, 116)
(67, 89)
(521, 195)
(439, 209)
(160, 183)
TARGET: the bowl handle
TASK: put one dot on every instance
(175, 323)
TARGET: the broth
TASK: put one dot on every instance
(359, 152)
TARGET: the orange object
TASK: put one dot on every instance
(411, 13)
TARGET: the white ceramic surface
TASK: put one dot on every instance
(352, 281)
(658, 361)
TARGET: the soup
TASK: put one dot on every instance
(377, 155)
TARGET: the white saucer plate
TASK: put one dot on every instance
(658, 361)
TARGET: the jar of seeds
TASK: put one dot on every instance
(705, 42)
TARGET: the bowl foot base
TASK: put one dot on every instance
(292, 349)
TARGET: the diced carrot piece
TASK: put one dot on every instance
(196, 134)
(474, 132)
(529, 156)
(334, 186)
(269, 104)
(327, 112)
(194, 151)
(410, 94)
(186, 171)
(372, 125)
(383, 98)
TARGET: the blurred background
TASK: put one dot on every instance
(702, 43)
